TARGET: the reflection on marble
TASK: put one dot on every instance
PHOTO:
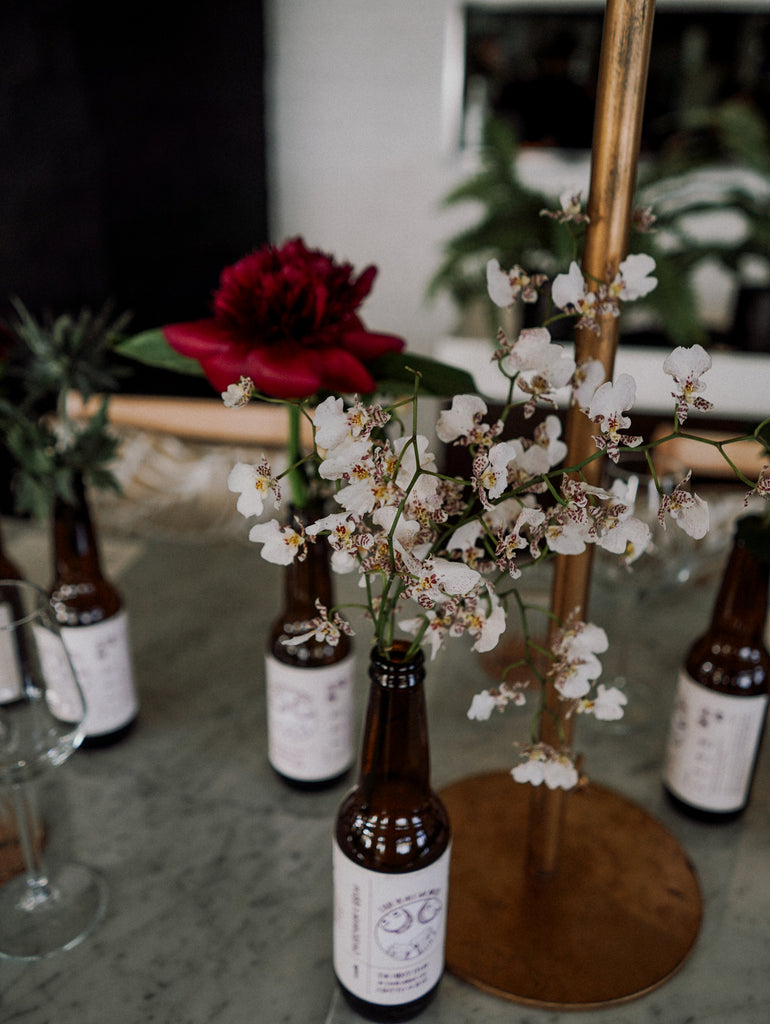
(220, 876)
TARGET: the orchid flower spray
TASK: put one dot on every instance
(439, 556)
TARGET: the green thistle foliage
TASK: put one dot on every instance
(56, 356)
(45, 362)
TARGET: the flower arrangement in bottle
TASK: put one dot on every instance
(286, 318)
(453, 548)
(56, 459)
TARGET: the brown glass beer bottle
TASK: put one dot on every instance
(93, 622)
(722, 694)
(391, 855)
(310, 685)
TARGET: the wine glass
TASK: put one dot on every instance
(41, 723)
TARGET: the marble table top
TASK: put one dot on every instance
(219, 875)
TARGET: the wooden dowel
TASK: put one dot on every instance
(624, 61)
(204, 419)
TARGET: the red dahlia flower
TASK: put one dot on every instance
(286, 317)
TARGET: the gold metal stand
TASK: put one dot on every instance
(581, 899)
(617, 919)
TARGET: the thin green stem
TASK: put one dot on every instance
(297, 482)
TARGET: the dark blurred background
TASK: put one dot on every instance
(132, 157)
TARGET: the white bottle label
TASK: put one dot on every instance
(712, 745)
(101, 656)
(10, 672)
(310, 718)
(389, 930)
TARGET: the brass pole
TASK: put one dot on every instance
(624, 61)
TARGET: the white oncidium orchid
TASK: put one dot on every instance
(238, 395)
(280, 544)
(479, 617)
(633, 279)
(490, 470)
(334, 424)
(687, 366)
(510, 542)
(409, 454)
(607, 705)
(543, 764)
(341, 461)
(569, 292)
(434, 579)
(482, 706)
(689, 512)
(622, 534)
(571, 203)
(586, 379)
(462, 423)
(345, 537)
(539, 365)
(548, 436)
(575, 647)
(505, 288)
(606, 409)
(253, 484)
(464, 541)
(325, 629)
(761, 488)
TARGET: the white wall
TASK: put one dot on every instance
(357, 160)
(355, 146)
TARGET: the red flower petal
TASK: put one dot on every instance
(284, 371)
(200, 338)
(341, 371)
(367, 345)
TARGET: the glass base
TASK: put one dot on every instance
(37, 921)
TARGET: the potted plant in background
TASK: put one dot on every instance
(57, 458)
(715, 162)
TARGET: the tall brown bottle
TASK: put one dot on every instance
(310, 685)
(391, 855)
(93, 623)
(721, 700)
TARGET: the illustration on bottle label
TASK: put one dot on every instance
(101, 657)
(712, 746)
(310, 718)
(389, 929)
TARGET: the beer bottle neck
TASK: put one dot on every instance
(76, 553)
(741, 604)
(307, 581)
(395, 755)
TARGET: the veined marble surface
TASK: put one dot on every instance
(220, 876)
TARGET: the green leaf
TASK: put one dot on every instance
(397, 370)
(151, 347)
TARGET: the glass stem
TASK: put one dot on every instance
(26, 821)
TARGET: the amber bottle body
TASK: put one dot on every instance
(391, 856)
(721, 700)
(310, 684)
(93, 623)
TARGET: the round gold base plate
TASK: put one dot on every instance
(617, 919)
